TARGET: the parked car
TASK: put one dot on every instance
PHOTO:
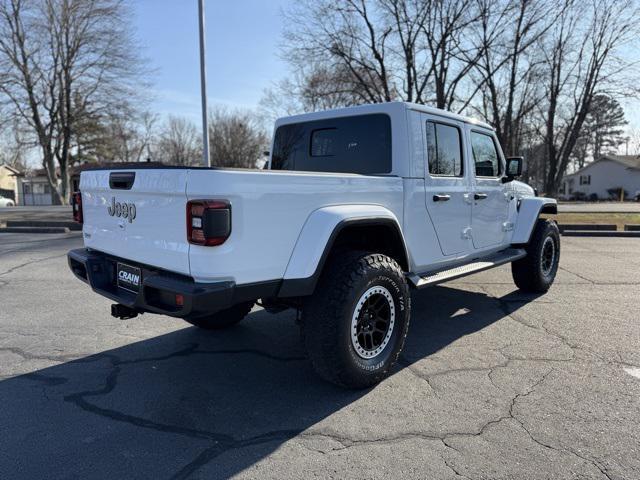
(7, 202)
(358, 207)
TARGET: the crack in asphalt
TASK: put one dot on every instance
(50, 381)
(222, 443)
(594, 282)
(541, 327)
(30, 262)
(547, 445)
(454, 470)
(577, 275)
(31, 356)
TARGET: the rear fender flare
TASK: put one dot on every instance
(317, 238)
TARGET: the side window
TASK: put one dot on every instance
(358, 144)
(443, 149)
(323, 142)
(485, 155)
(288, 147)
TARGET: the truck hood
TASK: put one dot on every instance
(522, 189)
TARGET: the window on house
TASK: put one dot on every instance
(444, 149)
(585, 179)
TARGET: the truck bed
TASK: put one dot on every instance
(269, 210)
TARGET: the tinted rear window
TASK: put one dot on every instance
(443, 147)
(360, 144)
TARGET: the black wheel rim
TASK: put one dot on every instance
(547, 256)
(372, 322)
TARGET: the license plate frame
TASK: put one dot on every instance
(128, 277)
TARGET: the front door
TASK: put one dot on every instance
(490, 197)
(447, 184)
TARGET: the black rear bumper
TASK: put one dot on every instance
(159, 288)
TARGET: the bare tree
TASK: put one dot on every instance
(384, 50)
(13, 147)
(179, 143)
(235, 139)
(313, 87)
(581, 60)
(62, 60)
(632, 142)
(507, 74)
(128, 137)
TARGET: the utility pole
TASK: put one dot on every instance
(203, 87)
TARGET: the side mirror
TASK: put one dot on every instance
(514, 169)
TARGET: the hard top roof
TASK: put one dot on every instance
(387, 107)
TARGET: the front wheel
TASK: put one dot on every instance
(355, 324)
(537, 271)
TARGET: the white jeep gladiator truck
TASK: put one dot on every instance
(356, 208)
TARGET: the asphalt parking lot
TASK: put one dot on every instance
(492, 383)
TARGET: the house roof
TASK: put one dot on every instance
(13, 170)
(629, 161)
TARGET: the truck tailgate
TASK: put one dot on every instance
(138, 215)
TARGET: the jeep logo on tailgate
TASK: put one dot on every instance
(124, 210)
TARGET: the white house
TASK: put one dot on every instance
(9, 181)
(609, 172)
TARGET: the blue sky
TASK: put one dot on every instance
(242, 51)
(243, 37)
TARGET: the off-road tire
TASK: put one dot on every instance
(328, 316)
(224, 318)
(530, 273)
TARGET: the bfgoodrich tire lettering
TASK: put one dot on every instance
(328, 319)
(537, 271)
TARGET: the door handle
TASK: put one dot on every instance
(479, 196)
(441, 198)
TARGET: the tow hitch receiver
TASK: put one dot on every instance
(123, 312)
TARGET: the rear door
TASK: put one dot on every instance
(490, 197)
(137, 215)
(447, 183)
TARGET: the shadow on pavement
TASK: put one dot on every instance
(167, 406)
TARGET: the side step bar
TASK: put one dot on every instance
(495, 260)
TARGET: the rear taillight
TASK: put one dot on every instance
(208, 222)
(76, 203)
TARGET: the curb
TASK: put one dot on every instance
(37, 230)
(600, 233)
(44, 224)
(587, 227)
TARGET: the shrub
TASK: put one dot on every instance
(578, 196)
(614, 193)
